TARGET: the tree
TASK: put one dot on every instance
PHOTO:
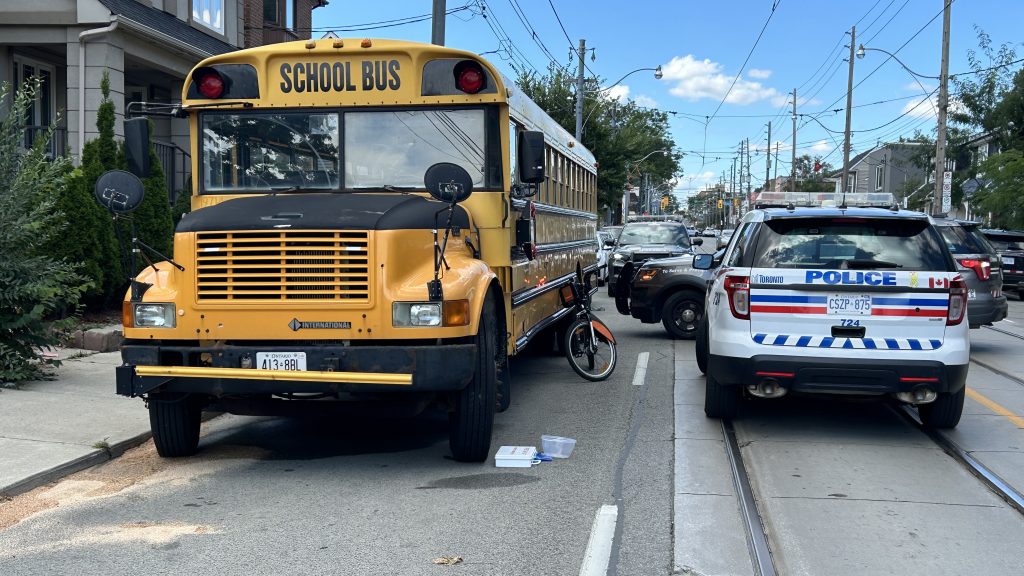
(36, 285)
(153, 220)
(619, 134)
(810, 180)
(1001, 195)
(88, 237)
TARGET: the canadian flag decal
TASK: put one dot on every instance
(938, 282)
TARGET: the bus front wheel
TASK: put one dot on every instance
(472, 418)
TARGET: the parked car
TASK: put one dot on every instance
(605, 245)
(980, 267)
(670, 291)
(691, 231)
(724, 237)
(1009, 244)
(826, 300)
(642, 241)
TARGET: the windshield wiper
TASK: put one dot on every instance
(863, 264)
(286, 189)
(387, 187)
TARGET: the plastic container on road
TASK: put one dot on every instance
(557, 446)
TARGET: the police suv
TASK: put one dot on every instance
(821, 294)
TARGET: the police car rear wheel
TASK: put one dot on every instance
(944, 412)
(682, 314)
(720, 401)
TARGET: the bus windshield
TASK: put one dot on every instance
(258, 152)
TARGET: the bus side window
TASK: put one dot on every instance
(513, 132)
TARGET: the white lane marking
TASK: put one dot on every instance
(1010, 321)
(599, 547)
(641, 369)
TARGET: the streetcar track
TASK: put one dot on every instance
(1007, 332)
(757, 540)
(988, 477)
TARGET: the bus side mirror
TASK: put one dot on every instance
(136, 146)
(531, 157)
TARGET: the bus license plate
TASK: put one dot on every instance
(281, 360)
(847, 304)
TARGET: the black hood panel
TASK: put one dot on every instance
(392, 211)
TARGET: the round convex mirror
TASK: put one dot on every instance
(448, 182)
(119, 191)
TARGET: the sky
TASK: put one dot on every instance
(721, 83)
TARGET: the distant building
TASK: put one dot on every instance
(146, 46)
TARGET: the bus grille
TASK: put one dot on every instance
(283, 265)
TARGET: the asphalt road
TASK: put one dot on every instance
(289, 496)
(843, 486)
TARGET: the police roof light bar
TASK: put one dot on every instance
(823, 199)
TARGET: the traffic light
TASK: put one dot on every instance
(719, 203)
(664, 202)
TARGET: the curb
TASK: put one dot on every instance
(98, 456)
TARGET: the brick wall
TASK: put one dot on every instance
(257, 35)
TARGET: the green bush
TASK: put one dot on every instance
(89, 235)
(153, 222)
(36, 285)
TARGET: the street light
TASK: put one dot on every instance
(580, 92)
(632, 165)
(862, 51)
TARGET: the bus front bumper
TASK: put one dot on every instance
(330, 369)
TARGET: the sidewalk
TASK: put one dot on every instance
(52, 428)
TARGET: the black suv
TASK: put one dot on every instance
(642, 241)
(670, 291)
(1009, 244)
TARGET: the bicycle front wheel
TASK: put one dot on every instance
(591, 359)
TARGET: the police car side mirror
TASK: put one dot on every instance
(703, 261)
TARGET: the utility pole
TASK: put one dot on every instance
(768, 158)
(437, 21)
(849, 115)
(579, 91)
(748, 168)
(940, 138)
(776, 162)
(792, 178)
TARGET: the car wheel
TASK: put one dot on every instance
(174, 420)
(720, 401)
(472, 419)
(701, 346)
(944, 411)
(682, 314)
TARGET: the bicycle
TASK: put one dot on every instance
(589, 344)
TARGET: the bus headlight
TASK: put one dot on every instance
(406, 314)
(153, 315)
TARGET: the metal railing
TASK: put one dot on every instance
(176, 163)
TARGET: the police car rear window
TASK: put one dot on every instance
(963, 240)
(850, 244)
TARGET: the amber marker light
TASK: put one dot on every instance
(126, 315)
(455, 313)
(366, 43)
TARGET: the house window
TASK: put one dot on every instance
(851, 182)
(879, 177)
(270, 11)
(209, 13)
(41, 110)
(289, 14)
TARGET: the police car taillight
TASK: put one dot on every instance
(737, 288)
(983, 268)
(957, 301)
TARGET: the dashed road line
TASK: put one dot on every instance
(641, 368)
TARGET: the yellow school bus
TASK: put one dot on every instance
(323, 265)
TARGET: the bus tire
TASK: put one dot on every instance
(701, 346)
(174, 420)
(472, 418)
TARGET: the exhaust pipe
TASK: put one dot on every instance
(919, 395)
(767, 388)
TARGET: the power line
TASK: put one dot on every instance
(518, 9)
(775, 5)
(371, 25)
(887, 22)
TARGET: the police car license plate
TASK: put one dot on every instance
(281, 360)
(849, 304)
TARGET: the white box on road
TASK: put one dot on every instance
(515, 456)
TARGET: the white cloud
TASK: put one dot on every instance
(645, 101)
(699, 79)
(821, 146)
(620, 92)
(919, 108)
(759, 73)
(915, 87)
